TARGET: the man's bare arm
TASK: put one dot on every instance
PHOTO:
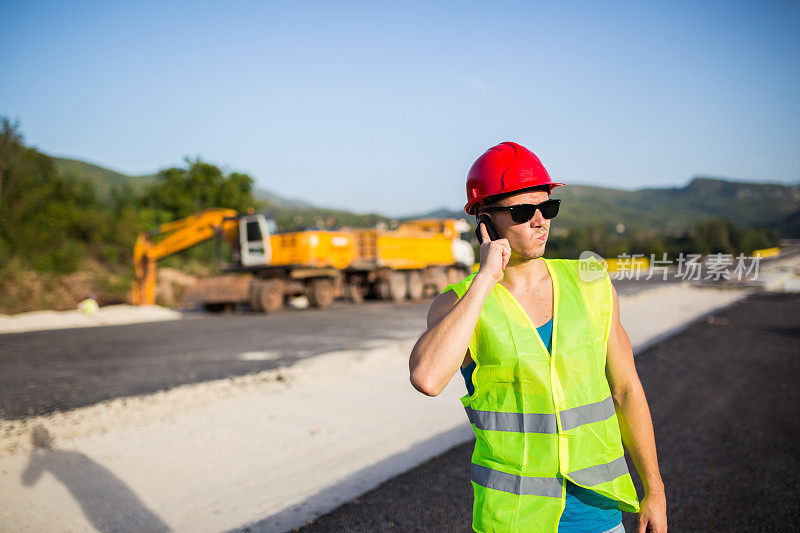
(635, 422)
(440, 351)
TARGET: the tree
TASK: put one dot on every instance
(46, 220)
(181, 192)
(10, 140)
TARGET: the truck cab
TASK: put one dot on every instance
(254, 241)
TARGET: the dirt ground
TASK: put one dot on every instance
(25, 290)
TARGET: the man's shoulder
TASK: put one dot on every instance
(563, 263)
(460, 287)
(586, 270)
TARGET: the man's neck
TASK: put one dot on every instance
(525, 274)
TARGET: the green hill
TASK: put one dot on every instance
(671, 210)
(102, 179)
(664, 210)
(290, 213)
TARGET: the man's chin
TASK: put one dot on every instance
(531, 254)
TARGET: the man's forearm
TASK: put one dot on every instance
(439, 352)
(636, 428)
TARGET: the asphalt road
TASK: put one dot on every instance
(45, 371)
(724, 399)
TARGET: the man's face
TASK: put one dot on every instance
(528, 239)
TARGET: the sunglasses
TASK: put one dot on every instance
(524, 212)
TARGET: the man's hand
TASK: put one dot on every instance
(494, 256)
(653, 513)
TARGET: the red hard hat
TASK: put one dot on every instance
(504, 168)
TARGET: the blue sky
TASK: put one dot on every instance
(384, 106)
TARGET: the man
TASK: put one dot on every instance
(549, 421)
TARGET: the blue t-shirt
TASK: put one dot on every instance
(585, 510)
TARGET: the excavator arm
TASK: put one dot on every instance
(178, 235)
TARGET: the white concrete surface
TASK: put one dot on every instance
(107, 315)
(284, 445)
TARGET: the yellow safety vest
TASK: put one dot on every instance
(539, 417)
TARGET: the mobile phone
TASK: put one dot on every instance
(484, 219)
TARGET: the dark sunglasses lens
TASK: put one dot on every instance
(523, 213)
(550, 209)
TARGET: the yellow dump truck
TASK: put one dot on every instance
(418, 258)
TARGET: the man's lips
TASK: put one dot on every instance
(542, 237)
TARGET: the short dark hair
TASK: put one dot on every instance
(498, 197)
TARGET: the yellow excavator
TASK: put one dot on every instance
(419, 257)
(178, 235)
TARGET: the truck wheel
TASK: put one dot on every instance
(440, 280)
(270, 296)
(255, 301)
(320, 293)
(397, 286)
(455, 274)
(382, 290)
(416, 285)
(354, 292)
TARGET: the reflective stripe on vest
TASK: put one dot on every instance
(521, 485)
(546, 486)
(541, 423)
(594, 475)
